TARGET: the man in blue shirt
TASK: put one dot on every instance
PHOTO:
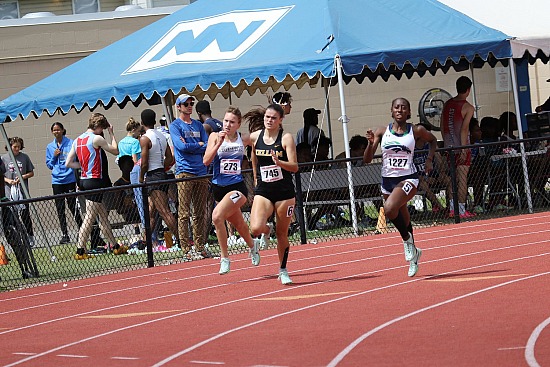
(189, 139)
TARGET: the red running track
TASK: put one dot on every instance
(481, 298)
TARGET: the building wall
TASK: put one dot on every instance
(30, 53)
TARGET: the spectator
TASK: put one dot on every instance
(310, 132)
(437, 176)
(545, 106)
(87, 149)
(63, 178)
(455, 123)
(477, 171)
(11, 179)
(189, 139)
(205, 116)
(320, 149)
(129, 146)
(124, 200)
(156, 159)
(357, 146)
(283, 99)
(303, 155)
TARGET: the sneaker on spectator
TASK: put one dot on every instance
(451, 213)
(224, 265)
(467, 215)
(283, 277)
(502, 207)
(194, 255)
(254, 253)
(81, 255)
(478, 209)
(413, 264)
(99, 250)
(409, 248)
(31, 241)
(64, 240)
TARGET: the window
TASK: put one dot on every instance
(9, 10)
(85, 6)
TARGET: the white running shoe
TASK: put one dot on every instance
(265, 239)
(413, 265)
(224, 265)
(283, 277)
(254, 253)
(409, 248)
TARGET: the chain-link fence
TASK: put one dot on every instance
(334, 200)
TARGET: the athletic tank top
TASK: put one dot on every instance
(89, 157)
(158, 148)
(268, 173)
(451, 122)
(227, 163)
(398, 153)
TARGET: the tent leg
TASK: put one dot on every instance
(512, 67)
(25, 189)
(344, 119)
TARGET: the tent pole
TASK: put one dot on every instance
(344, 119)
(474, 94)
(512, 68)
(327, 114)
(24, 187)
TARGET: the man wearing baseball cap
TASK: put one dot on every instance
(189, 139)
(310, 132)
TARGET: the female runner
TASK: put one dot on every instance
(226, 150)
(273, 160)
(399, 175)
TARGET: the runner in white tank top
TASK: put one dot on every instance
(399, 176)
(229, 189)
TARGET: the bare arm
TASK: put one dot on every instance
(290, 148)
(253, 158)
(215, 140)
(145, 144)
(100, 142)
(71, 162)
(374, 140)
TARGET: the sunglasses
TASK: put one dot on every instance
(187, 104)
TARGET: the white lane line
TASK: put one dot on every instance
(71, 356)
(357, 341)
(215, 337)
(530, 347)
(460, 243)
(512, 348)
(256, 296)
(284, 289)
(425, 232)
(207, 362)
(126, 358)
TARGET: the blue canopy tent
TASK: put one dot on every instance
(230, 46)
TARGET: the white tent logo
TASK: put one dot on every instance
(222, 37)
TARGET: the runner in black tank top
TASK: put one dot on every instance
(274, 159)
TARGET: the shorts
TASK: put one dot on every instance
(390, 183)
(92, 184)
(274, 196)
(468, 161)
(219, 192)
(155, 176)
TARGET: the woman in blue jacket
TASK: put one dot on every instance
(63, 178)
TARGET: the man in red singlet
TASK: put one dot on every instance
(455, 123)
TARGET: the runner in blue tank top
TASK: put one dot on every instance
(399, 175)
(226, 150)
(274, 160)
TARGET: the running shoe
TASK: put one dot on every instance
(81, 254)
(283, 277)
(408, 246)
(254, 253)
(503, 207)
(413, 264)
(224, 265)
(64, 240)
